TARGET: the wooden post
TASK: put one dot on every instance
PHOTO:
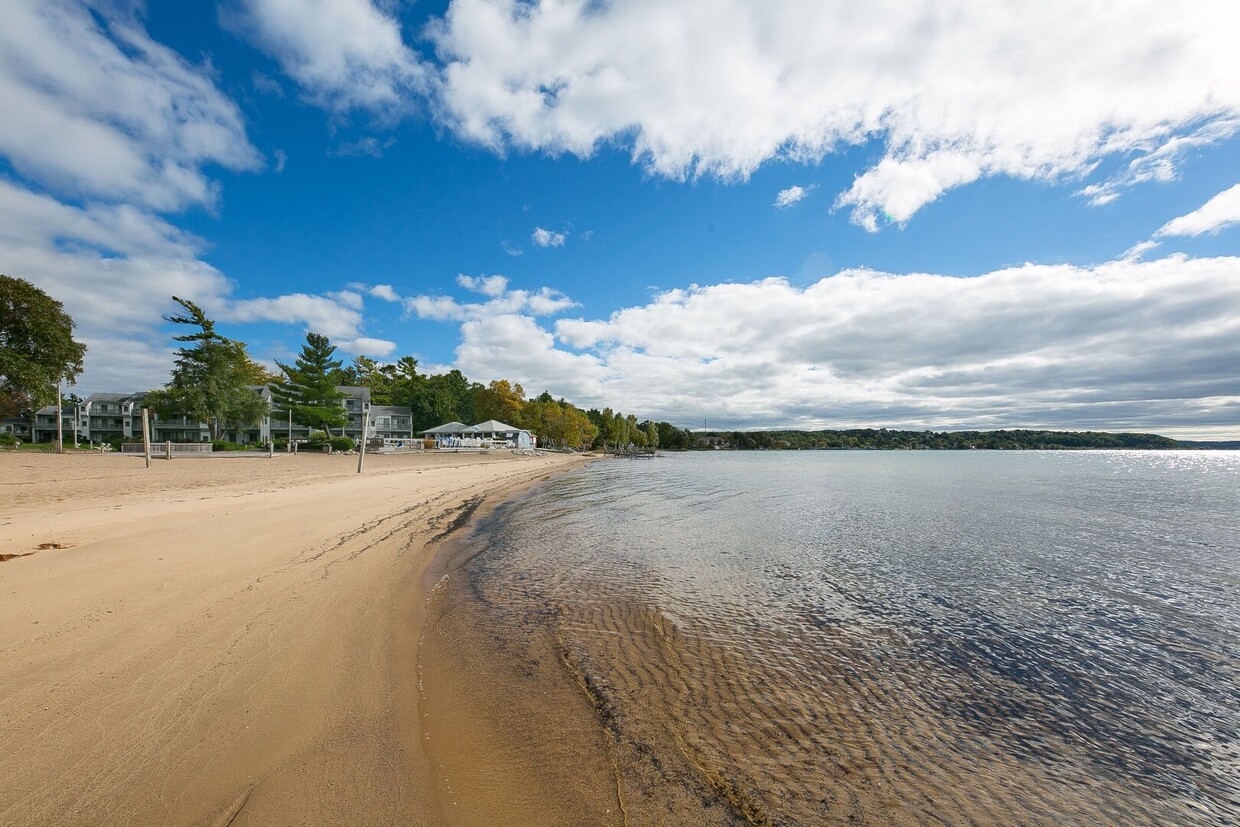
(271, 449)
(361, 448)
(146, 435)
(288, 447)
(60, 422)
(168, 449)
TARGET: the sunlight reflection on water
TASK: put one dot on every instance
(1018, 637)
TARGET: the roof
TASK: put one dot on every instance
(493, 427)
(448, 428)
(108, 397)
(396, 410)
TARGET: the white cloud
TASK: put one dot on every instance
(1123, 345)
(486, 285)
(498, 347)
(363, 346)
(790, 196)
(348, 298)
(501, 301)
(115, 268)
(547, 238)
(510, 249)
(94, 107)
(344, 54)
(320, 314)
(385, 292)
(1223, 210)
(1161, 163)
(953, 89)
(1139, 249)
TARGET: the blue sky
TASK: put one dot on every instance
(760, 214)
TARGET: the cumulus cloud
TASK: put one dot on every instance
(547, 238)
(321, 314)
(1223, 210)
(94, 108)
(115, 268)
(496, 346)
(790, 196)
(1126, 344)
(500, 301)
(365, 346)
(348, 298)
(953, 90)
(343, 54)
(385, 292)
(486, 285)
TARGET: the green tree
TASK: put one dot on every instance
(37, 349)
(366, 373)
(501, 400)
(210, 377)
(308, 387)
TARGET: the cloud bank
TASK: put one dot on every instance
(107, 129)
(953, 90)
(94, 108)
(1122, 345)
(344, 54)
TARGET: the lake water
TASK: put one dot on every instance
(866, 638)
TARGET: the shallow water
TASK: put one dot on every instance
(858, 638)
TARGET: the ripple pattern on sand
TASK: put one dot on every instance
(880, 638)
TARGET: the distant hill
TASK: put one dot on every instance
(885, 439)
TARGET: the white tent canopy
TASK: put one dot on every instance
(493, 428)
(450, 428)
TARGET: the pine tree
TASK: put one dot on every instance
(212, 378)
(307, 387)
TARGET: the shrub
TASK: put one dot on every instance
(225, 445)
(341, 443)
(7, 439)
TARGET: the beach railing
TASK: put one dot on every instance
(165, 448)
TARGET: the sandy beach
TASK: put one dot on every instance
(223, 641)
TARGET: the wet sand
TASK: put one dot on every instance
(224, 641)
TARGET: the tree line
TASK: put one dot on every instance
(885, 439)
(213, 380)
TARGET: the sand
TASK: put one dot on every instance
(226, 640)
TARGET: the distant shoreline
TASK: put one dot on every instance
(889, 439)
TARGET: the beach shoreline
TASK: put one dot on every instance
(224, 642)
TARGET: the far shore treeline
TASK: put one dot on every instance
(885, 439)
